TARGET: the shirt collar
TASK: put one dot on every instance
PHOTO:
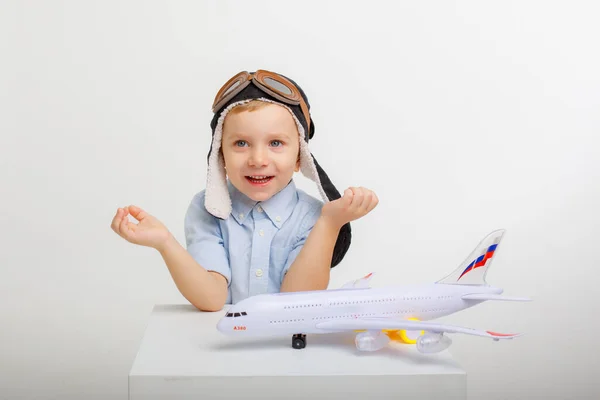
(241, 205)
(278, 208)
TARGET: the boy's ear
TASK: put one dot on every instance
(222, 157)
(297, 163)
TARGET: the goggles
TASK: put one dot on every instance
(269, 82)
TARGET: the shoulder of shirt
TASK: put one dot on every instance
(199, 197)
(308, 207)
(196, 206)
(308, 201)
(308, 210)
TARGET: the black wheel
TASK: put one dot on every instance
(299, 341)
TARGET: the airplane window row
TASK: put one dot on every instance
(361, 302)
(303, 306)
(237, 314)
(286, 321)
(398, 312)
(345, 316)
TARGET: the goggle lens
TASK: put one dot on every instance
(278, 86)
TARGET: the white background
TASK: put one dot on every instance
(463, 117)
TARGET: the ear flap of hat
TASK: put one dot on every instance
(345, 235)
(217, 200)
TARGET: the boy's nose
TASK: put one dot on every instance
(258, 158)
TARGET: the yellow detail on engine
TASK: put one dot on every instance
(400, 335)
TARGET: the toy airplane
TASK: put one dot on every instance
(377, 314)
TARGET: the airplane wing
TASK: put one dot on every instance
(390, 323)
(483, 296)
(360, 283)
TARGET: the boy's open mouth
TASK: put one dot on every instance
(259, 179)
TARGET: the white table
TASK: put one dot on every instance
(183, 356)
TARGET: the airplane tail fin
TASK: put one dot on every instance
(473, 270)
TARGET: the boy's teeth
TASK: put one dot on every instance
(259, 179)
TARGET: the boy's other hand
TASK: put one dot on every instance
(148, 232)
(355, 203)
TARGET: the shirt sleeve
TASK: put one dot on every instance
(204, 240)
(306, 227)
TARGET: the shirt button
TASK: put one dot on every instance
(241, 215)
(259, 209)
(259, 272)
(278, 218)
(261, 232)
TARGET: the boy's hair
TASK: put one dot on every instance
(250, 106)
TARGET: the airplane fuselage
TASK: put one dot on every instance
(300, 312)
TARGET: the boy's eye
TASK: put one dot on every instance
(276, 143)
(240, 143)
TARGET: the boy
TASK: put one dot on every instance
(251, 231)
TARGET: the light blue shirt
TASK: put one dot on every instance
(256, 245)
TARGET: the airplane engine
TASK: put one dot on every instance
(371, 341)
(433, 342)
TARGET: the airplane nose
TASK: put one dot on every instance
(223, 325)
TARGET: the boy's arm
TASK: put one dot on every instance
(310, 269)
(205, 290)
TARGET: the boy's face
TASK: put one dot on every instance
(260, 149)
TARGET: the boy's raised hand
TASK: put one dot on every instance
(355, 203)
(148, 232)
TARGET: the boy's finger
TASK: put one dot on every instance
(366, 199)
(347, 198)
(115, 221)
(374, 202)
(358, 198)
(124, 227)
(137, 212)
(367, 196)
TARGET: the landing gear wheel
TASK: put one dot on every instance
(299, 341)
